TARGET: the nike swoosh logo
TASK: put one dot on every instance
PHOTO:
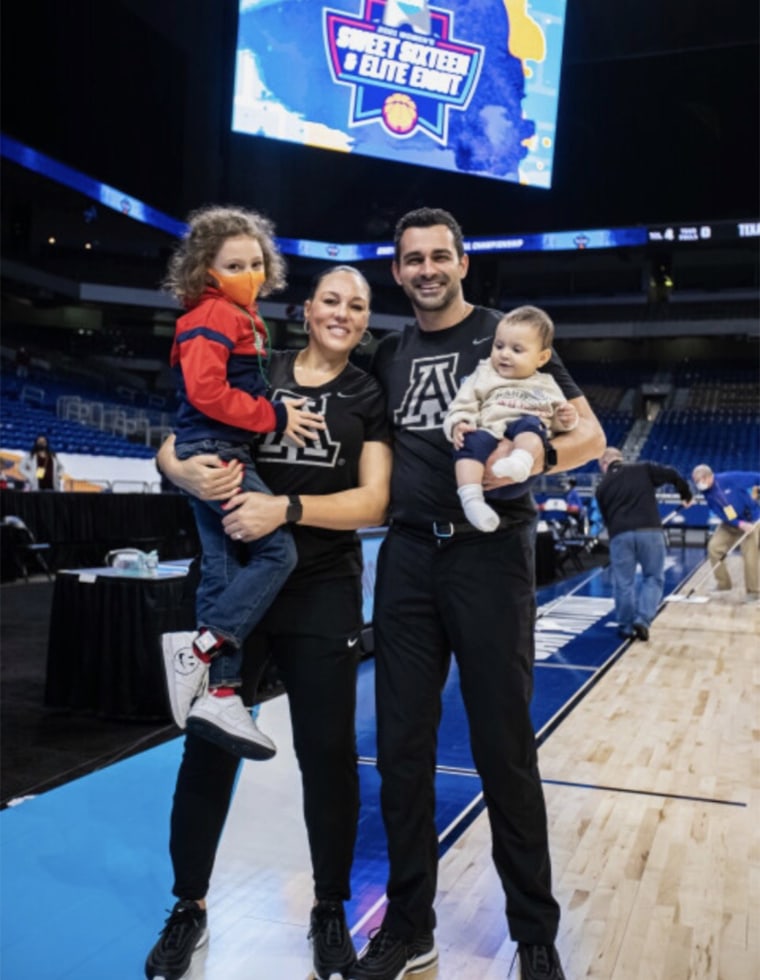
(353, 642)
(482, 340)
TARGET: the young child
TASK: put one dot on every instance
(506, 397)
(225, 260)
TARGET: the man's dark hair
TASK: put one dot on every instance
(426, 218)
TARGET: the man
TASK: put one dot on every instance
(730, 497)
(628, 504)
(442, 585)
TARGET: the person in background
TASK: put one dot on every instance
(444, 586)
(23, 360)
(40, 467)
(572, 496)
(732, 497)
(506, 397)
(628, 503)
(323, 492)
(225, 259)
(576, 508)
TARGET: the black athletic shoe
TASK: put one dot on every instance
(388, 957)
(184, 932)
(332, 949)
(539, 963)
(641, 631)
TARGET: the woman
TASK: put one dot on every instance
(325, 492)
(40, 467)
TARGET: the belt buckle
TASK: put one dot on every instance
(443, 529)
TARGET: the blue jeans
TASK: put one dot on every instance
(238, 580)
(627, 550)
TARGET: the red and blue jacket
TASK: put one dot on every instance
(219, 355)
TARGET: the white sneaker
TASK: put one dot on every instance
(186, 675)
(228, 723)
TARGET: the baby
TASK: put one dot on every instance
(506, 397)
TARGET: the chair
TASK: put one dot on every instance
(570, 537)
(23, 548)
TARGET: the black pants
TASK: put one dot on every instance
(319, 676)
(473, 595)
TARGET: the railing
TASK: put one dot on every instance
(115, 419)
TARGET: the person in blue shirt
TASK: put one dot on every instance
(731, 497)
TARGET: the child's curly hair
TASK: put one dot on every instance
(207, 230)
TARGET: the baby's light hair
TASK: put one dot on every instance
(534, 317)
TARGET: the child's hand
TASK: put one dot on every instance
(458, 433)
(567, 416)
(301, 423)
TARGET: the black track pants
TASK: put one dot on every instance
(475, 596)
(319, 675)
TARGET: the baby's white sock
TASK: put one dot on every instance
(517, 465)
(476, 510)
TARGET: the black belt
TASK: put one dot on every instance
(445, 530)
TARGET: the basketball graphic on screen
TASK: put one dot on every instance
(400, 113)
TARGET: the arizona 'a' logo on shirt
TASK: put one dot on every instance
(275, 447)
(432, 386)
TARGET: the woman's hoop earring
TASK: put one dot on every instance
(366, 339)
(305, 326)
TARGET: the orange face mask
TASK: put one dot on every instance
(240, 287)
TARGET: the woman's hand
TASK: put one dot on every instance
(209, 477)
(206, 476)
(253, 515)
(301, 422)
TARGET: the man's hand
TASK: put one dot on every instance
(491, 482)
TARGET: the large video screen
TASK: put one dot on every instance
(468, 86)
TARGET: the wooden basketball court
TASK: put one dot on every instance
(652, 785)
(649, 756)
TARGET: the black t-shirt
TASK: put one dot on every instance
(420, 373)
(354, 409)
(627, 495)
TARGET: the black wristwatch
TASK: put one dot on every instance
(294, 513)
(550, 455)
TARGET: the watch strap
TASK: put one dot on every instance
(294, 513)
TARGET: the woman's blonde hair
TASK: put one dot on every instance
(207, 230)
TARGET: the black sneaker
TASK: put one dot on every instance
(388, 957)
(539, 963)
(184, 932)
(332, 948)
(641, 631)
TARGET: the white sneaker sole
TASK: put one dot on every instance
(252, 745)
